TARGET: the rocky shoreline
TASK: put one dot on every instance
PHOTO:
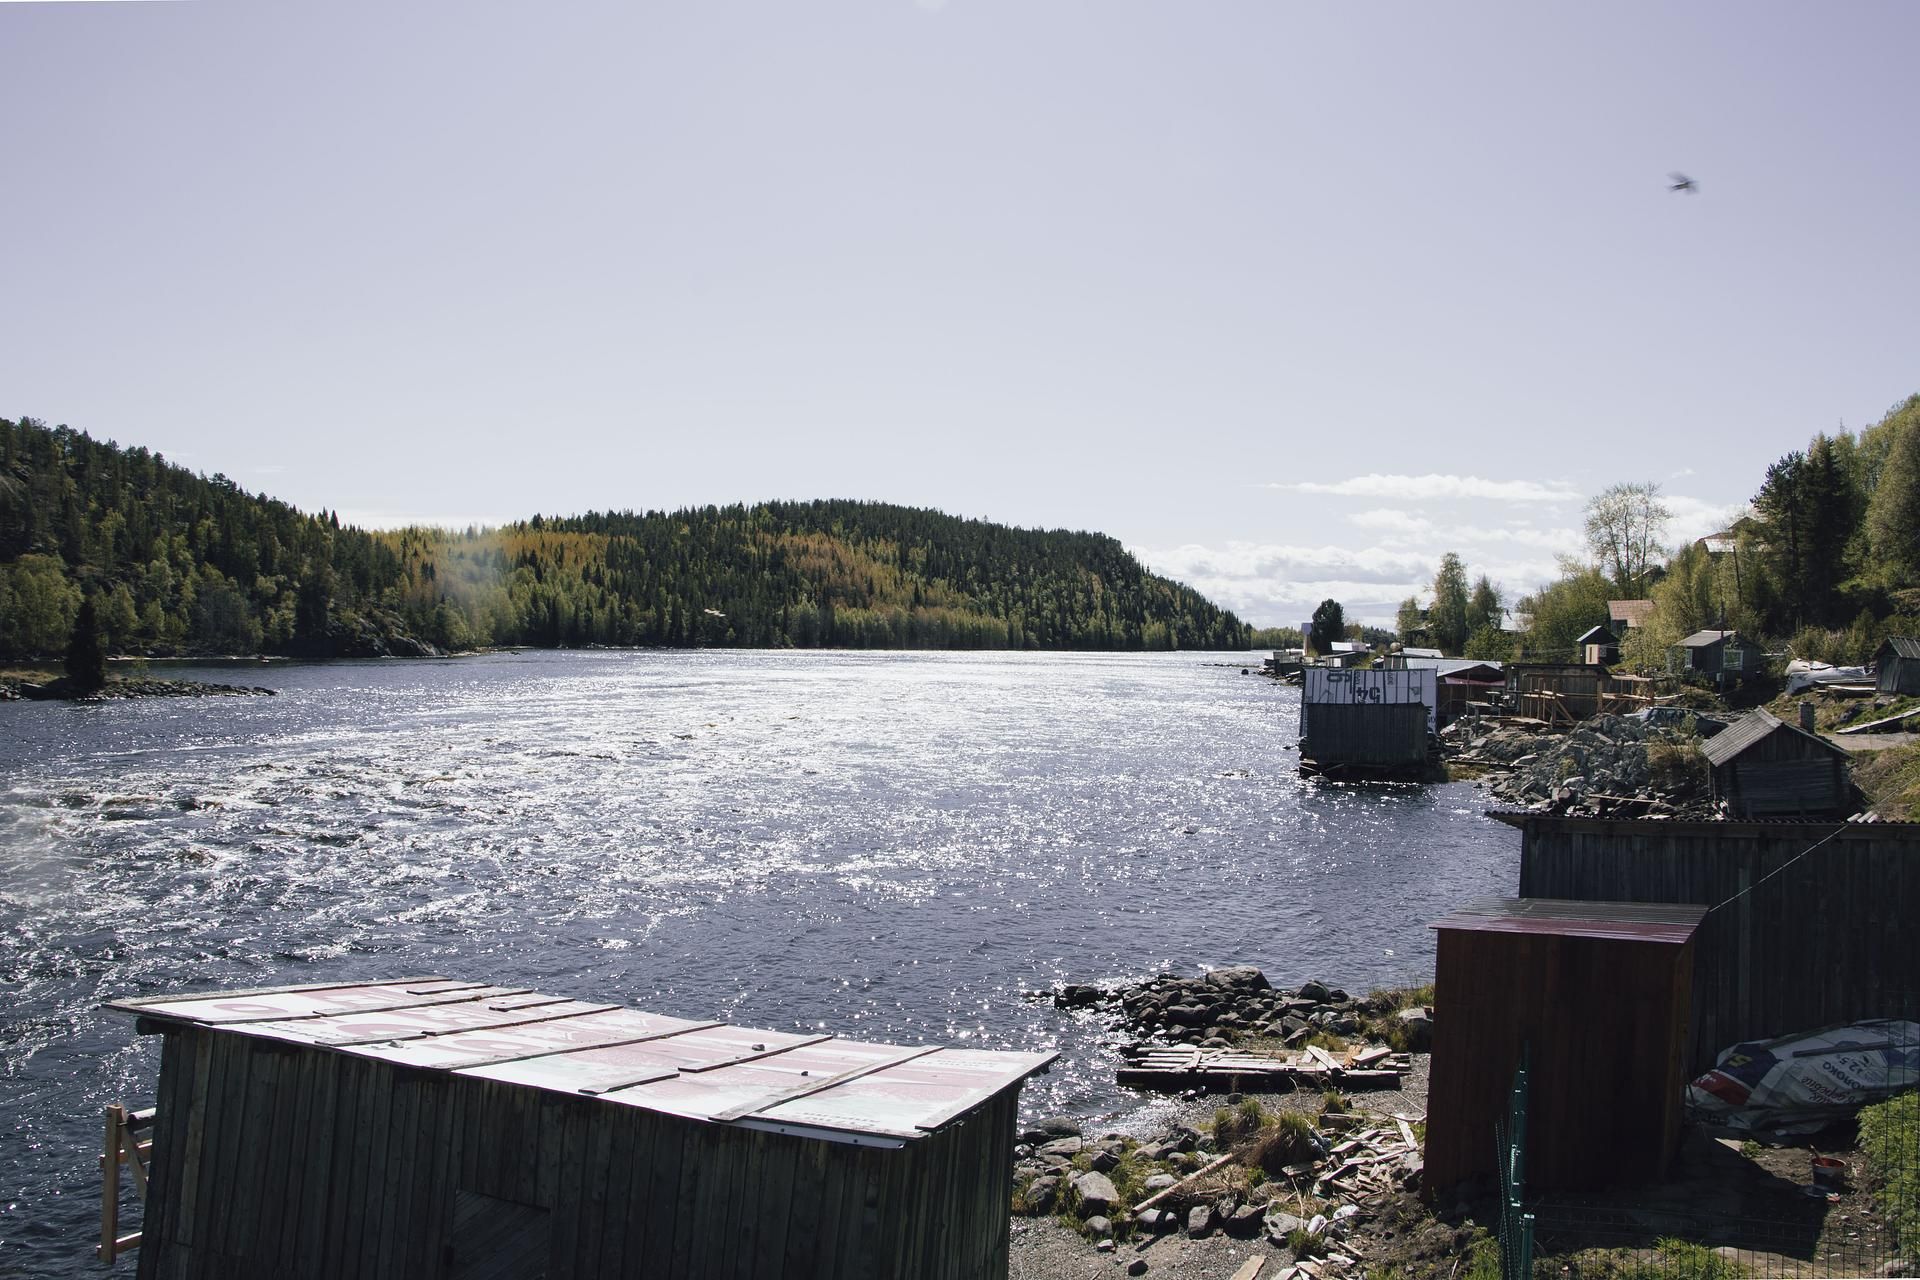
(1300, 1172)
(1608, 766)
(64, 690)
(1234, 1005)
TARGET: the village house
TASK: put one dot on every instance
(1719, 654)
(1898, 664)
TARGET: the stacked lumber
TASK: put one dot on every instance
(1187, 1067)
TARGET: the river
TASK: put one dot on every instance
(891, 845)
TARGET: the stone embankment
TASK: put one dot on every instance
(1609, 766)
(117, 690)
(1231, 1005)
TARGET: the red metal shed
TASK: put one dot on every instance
(1597, 994)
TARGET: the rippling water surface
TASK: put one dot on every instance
(894, 846)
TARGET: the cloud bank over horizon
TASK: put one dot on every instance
(1514, 531)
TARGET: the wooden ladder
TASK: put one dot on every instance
(129, 1142)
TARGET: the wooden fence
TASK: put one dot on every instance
(1798, 939)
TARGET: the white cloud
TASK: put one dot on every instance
(1432, 487)
(1272, 584)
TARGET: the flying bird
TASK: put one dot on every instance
(1681, 182)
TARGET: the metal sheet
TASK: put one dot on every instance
(801, 1082)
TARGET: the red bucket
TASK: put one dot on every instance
(1829, 1174)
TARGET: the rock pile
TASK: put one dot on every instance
(1115, 1188)
(1607, 766)
(1221, 1008)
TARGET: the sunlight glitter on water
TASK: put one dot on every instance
(895, 845)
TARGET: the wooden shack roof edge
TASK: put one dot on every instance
(795, 1082)
(1753, 728)
(1657, 922)
(1733, 827)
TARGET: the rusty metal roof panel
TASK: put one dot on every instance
(712, 1071)
(1661, 922)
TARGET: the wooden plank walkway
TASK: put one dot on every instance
(1179, 1067)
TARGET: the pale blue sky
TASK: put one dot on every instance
(1290, 298)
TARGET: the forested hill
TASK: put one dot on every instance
(176, 562)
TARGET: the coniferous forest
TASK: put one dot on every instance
(174, 562)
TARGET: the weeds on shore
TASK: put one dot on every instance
(1890, 1141)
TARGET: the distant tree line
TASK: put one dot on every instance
(1824, 562)
(175, 562)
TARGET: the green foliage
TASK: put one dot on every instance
(1562, 611)
(1893, 510)
(1489, 644)
(1274, 638)
(1410, 622)
(1447, 621)
(184, 561)
(1809, 509)
(1670, 1259)
(1890, 1140)
(37, 606)
(1333, 1102)
(1329, 624)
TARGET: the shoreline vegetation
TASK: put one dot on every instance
(176, 563)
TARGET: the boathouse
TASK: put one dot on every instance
(1593, 997)
(1375, 719)
(425, 1127)
(1764, 767)
(1898, 665)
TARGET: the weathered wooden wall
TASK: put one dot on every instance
(1830, 939)
(289, 1161)
(1604, 1024)
(1368, 734)
(1785, 773)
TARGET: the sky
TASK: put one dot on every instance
(1290, 298)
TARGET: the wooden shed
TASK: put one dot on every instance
(1373, 721)
(1598, 646)
(1898, 665)
(1558, 692)
(1764, 767)
(1596, 993)
(425, 1127)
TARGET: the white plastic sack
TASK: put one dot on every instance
(1801, 1084)
(1803, 673)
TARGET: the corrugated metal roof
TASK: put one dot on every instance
(1750, 729)
(1701, 639)
(1661, 922)
(1444, 667)
(784, 1080)
(1734, 828)
(1904, 646)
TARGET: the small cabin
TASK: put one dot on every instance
(1594, 998)
(1898, 665)
(1598, 647)
(1764, 767)
(1723, 655)
(425, 1127)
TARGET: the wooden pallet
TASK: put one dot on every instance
(1176, 1067)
